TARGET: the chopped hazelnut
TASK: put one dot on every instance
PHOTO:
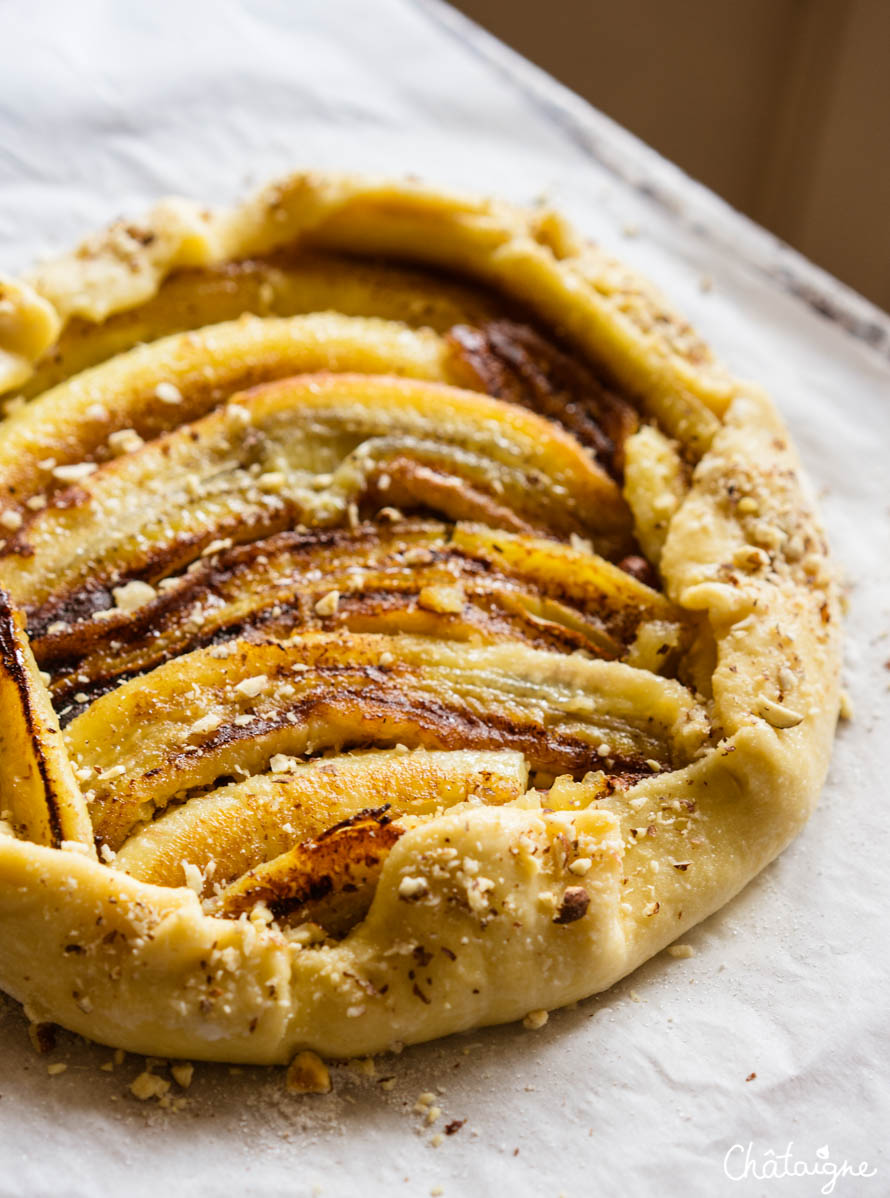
(124, 440)
(168, 393)
(328, 604)
(778, 715)
(282, 764)
(446, 600)
(133, 595)
(412, 888)
(207, 723)
(251, 687)
(74, 473)
(182, 1074)
(574, 905)
(308, 1074)
(535, 1020)
(148, 1085)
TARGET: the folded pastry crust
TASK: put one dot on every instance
(405, 624)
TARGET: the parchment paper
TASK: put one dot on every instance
(106, 105)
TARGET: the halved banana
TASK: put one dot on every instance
(219, 712)
(329, 881)
(302, 451)
(424, 578)
(155, 388)
(284, 284)
(233, 828)
(40, 796)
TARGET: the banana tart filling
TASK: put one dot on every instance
(405, 623)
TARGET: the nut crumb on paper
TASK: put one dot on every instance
(42, 1037)
(535, 1020)
(183, 1074)
(308, 1074)
(148, 1085)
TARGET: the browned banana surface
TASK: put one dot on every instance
(465, 583)
(512, 361)
(154, 388)
(243, 824)
(329, 881)
(217, 713)
(302, 451)
(105, 411)
(40, 796)
(285, 284)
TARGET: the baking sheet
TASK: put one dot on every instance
(103, 107)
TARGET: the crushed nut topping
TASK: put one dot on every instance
(11, 520)
(132, 595)
(413, 888)
(148, 1085)
(74, 473)
(250, 688)
(573, 905)
(328, 604)
(168, 393)
(778, 715)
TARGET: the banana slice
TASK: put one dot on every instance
(461, 583)
(234, 828)
(156, 388)
(329, 881)
(214, 713)
(41, 798)
(284, 284)
(302, 451)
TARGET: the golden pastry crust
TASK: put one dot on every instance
(491, 640)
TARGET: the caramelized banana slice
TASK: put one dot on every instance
(512, 361)
(466, 583)
(282, 285)
(158, 387)
(251, 468)
(329, 881)
(218, 712)
(38, 790)
(232, 829)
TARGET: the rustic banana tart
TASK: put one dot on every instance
(406, 624)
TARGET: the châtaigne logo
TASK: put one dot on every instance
(743, 1162)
